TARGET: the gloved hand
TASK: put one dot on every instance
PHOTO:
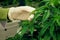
(20, 13)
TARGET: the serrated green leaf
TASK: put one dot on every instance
(46, 15)
(47, 37)
(58, 21)
(23, 31)
(52, 32)
(43, 30)
(37, 14)
(57, 15)
(54, 2)
(31, 29)
(38, 11)
(24, 22)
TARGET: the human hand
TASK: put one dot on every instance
(21, 13)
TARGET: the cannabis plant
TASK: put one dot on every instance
(44, 26)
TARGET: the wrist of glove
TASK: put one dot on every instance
(21, 13)
(3, 13)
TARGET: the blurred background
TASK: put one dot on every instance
(9, 3)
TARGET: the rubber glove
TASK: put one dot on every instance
(21, 13)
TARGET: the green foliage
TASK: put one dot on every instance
(44, 26)
(9, 3)
(34, 3)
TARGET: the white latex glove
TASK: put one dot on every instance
(21, 13)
